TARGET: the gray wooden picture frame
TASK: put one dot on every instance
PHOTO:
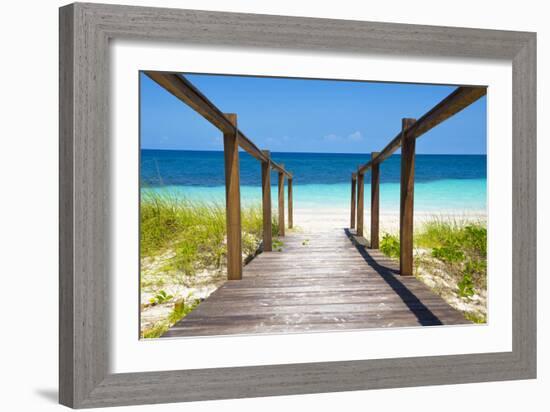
(85, 31)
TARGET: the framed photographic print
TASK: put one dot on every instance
(257, 205)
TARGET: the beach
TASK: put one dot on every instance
(330, 218)
(450, 195)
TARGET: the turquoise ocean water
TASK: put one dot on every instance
(443, 183)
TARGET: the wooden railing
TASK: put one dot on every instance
(411, 129)
(233, 138)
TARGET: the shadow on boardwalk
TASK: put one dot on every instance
(424, 315)
(318, 282)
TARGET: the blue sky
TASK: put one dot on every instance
(298, 115)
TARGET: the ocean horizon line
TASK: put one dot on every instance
(315, 153)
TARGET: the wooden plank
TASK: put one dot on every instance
(458, 100)
(232, 201)
(290, 204)
(335, 285)
(406, 214)
(375, 204)
(353, 199)
(360, 203)
(266, 204)
(281, 204)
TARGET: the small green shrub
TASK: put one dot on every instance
(389, 245)
(462, 247)
(450, 253)
(466, 286)
(181, 308)
(277, 244)
(475, 239)
(156, 331)
(160, 297)
(475, 318)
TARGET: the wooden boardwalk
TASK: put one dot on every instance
(318, 282)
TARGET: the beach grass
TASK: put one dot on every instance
(194, 230)
(452, 254)
(181, 308)
(187, 237)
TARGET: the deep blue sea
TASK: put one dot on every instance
(442, 182)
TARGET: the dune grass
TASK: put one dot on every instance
(187, 237)
(462, 247)
(181, 308)
(457, 248)
(195, 231)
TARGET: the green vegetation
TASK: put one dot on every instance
(457, 249)
(180, 309)
(462, 247)
(160, 297)
(194, 231)
(389, 245)
(180, 238)
(277, 245)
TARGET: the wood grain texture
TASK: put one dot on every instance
(233, 200)
(281, 203)
(360, 204)
(290, 204)
(406, 210)
(67, 363)
(524, 208)
(326, 283)
(375, 204)
(183, 89)
(458, 100)
(266, 204)
(353, 200)
(85, 32)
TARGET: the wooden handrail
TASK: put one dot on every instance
(233, 138)
(411, 129)
(184, 90)
(461, 98)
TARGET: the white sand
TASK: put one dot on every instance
(315, 220)
(330, 218)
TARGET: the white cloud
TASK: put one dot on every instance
(332, 138)
(355, 136)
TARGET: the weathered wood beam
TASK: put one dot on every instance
(360, 203)
(232, 202)
(266, 204)
(406, 215)
(290, 205)
(281, 204)
(461, 98)
(375, 204)
(184, 90)
(353, 199)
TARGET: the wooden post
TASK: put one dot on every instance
(281, 203)
(375, 204)
(353, 191)
(290, 222)
(266, 203)
(406, 215)
(232, 202)
(360, 203)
